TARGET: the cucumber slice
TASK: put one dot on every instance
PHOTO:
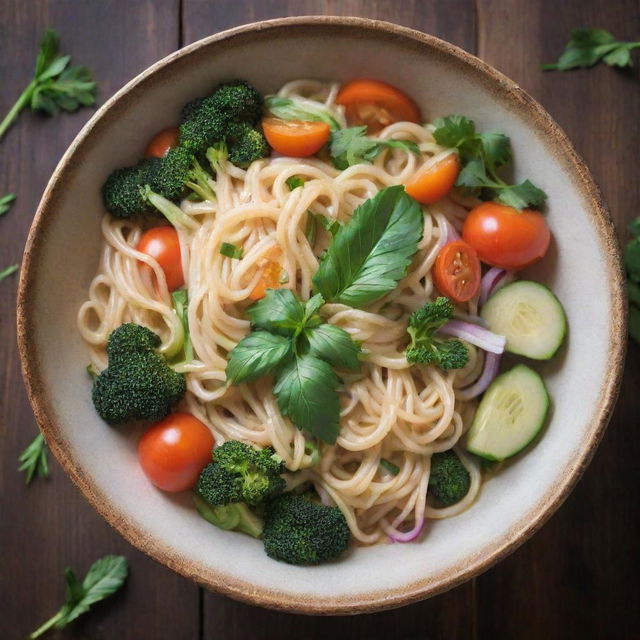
(510, 415)
(530, 316)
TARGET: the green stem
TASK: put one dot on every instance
(47, 625)
(20, 104)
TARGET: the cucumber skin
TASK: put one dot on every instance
(543, 422)
(565, 324)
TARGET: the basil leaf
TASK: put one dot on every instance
(280, 311)
(335, 346)
(306, 391)
(257, 355)
(371, 252)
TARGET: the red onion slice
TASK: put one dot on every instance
(408, 536)
(489, 372)
(476, 335)
(492, 281)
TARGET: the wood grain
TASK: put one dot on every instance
(48, 526)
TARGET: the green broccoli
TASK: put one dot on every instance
(121, 191)
(426, 346)
(299, 530)
(138, 383)
(246, 144)
(239, 101)
(241, 473)
(449, 479)
(236, 517)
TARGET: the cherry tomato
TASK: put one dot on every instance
(162, 244)
(174, 451)
(376, 104)
(294, 137)
(162, 142)
(434, 182)
(271, 272)
(505, 237)
(456, 272)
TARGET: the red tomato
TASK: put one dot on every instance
(456, 272)
(376, 104)
(174, 451)
(294, 137)
(162, 244)
(162, 142)
(434, 183)
(505, 237)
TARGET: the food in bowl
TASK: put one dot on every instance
(311, 331)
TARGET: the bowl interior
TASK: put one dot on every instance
(583, 271)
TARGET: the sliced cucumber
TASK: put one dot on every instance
(510, 414)
(529, 316)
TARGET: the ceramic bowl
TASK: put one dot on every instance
(584, 270)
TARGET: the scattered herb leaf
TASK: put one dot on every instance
(294, 182)
(6, 202)
(33, 460)
(632, 266)
(393, 469)
(231, 251)
(8, 271)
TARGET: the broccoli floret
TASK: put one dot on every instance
(190, 109)
(121, 191)
(299, 530)
(238, 101)
(449, 480)
(138, 383)
(241, 473)
(236, 517)
(203, 128)
(167, 176)
(246, 144)
(426, 346)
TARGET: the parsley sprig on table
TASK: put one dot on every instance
(482, 154)
(104, 578)
(632, 266)
(55, 85)
(33, 460)
(6, 202)
(587, 47)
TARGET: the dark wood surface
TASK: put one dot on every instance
(577, 578)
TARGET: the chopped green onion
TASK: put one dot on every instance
(284, 277)
(181, 305)
(231, 251)
(393, 469)
(294, 182)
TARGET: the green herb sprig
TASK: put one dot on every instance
(6, 202)
(104, 578)
(5, 273)
(632, 267)
(588, 47)
(33, 460)
(482, 154)
(55, 85)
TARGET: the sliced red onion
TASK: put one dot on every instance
(408, 536)
(474, 334)
(489, 372)
(451, 234)
(492, 281)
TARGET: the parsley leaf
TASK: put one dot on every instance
(481, 155)
(33, 460)
(55, 86)
(372, 251)
(335, 346)
(6, 202)
(306, 390)
(280, 311)
(352, 146)
(104, 578)
(257, 355)
(587, 47)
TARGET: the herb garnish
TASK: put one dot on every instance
(371, 252)
(388, 466)
(6, 202)
(352, 146)
(296, 109)
(181, 305)
(482, 154)
(104, 578)
(293, 182)
(632, 266)
(587, 47)
(55, 86)
(33, 460)
(290, 341)
(230, 250)
(8, 271)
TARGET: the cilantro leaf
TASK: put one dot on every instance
(306, 391)
(280, 311)
(371, 252)
(522, 195)
(257, 355)
(496, 147)
(453, 131)
(474, 175)
(104, 578)
(335, 346)
(6, 202)
(33, 460)
(587, 47)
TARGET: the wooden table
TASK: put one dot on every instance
(577, 578)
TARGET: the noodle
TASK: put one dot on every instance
(391, 410)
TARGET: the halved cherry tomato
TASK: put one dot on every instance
(174, 451)
(162, 142)
(271, 273)
(376, 104)
(505, 237)
(456, 272)
(295, 137)
(434, 182)
(162, 244)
